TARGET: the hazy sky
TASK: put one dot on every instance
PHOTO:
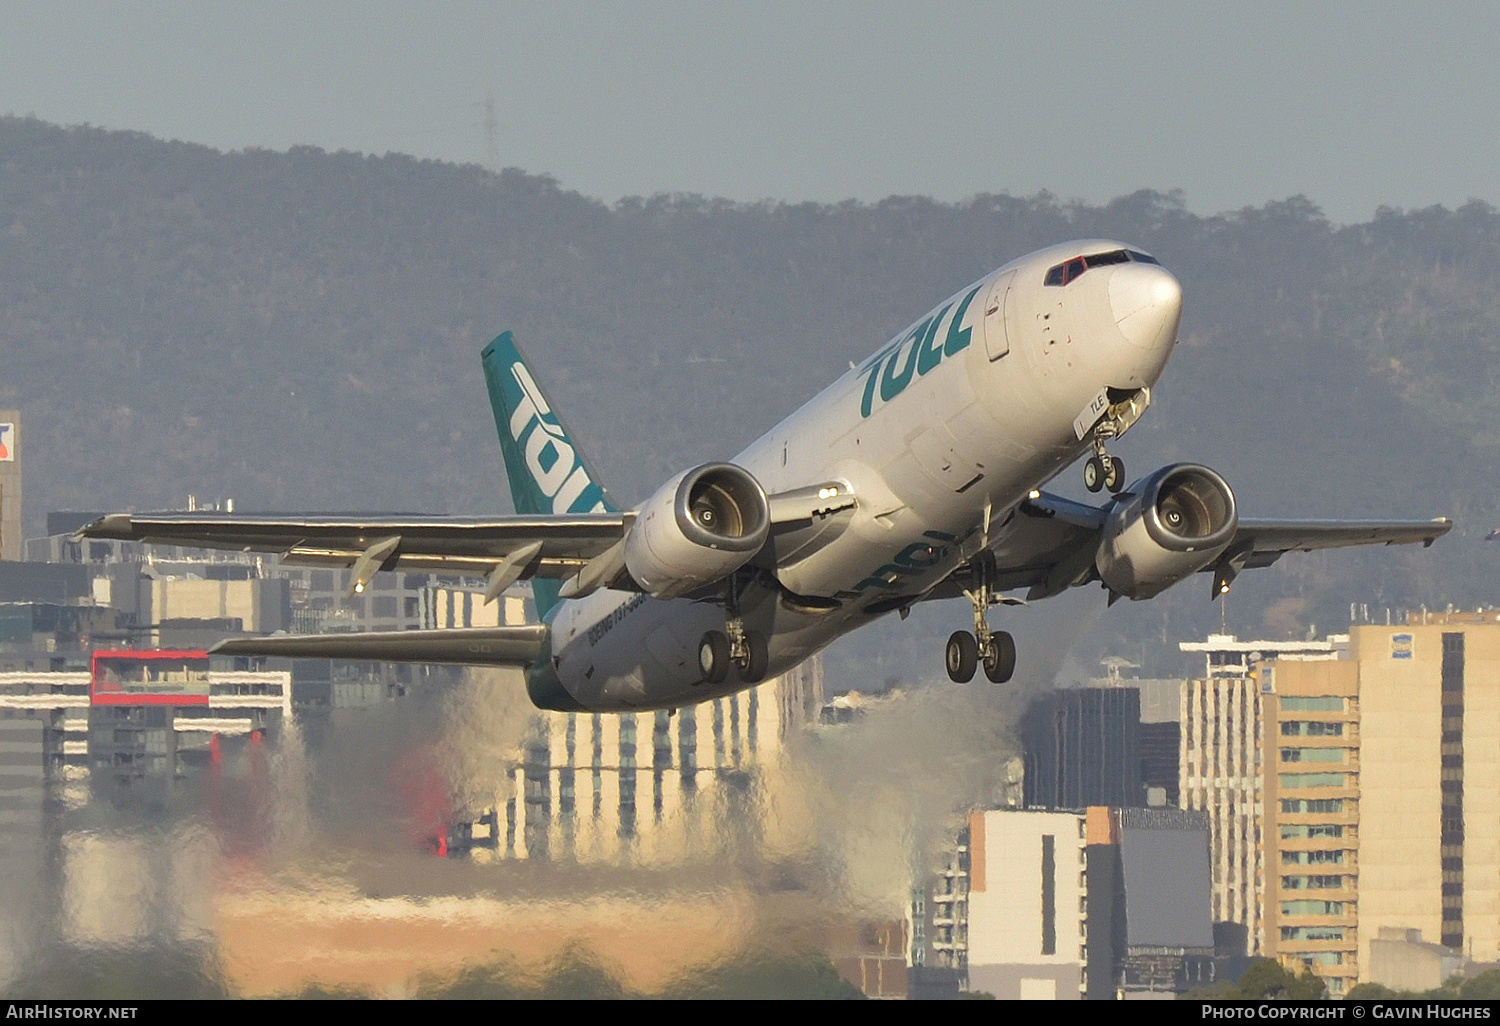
(1354, 105)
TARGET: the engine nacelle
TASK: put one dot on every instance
(698, 528)
(1166, 527)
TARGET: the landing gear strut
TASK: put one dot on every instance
(996, 649)
(733, 646)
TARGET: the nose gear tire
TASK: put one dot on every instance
(1093, 474)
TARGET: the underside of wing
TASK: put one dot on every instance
(1050, 544)
(1047, 545)
(470, 646)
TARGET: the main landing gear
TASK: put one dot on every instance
(999, 656)
(996, 649)
(733, 646)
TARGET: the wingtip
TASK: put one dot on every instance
(1443, 525)
(111, 525)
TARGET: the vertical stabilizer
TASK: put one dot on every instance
(547, 471)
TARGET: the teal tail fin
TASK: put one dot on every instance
(548, 472)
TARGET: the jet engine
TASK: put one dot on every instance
(698, 528)
(1165, 527)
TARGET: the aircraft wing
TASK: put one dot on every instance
(500, 646)
(553, 546)
(1261, 542)
(1049, 543)
(586, 550)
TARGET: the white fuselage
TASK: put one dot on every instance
(939, 434)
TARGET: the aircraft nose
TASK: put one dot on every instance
(1147, 304)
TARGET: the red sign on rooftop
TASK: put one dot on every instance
(149, 678)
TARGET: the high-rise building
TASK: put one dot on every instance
(1429, 766)
(1313, 817)
(1222, 765)
(1161, 738)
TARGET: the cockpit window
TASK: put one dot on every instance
(1114, 256)
(1068, 270)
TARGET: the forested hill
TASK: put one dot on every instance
(301, 330)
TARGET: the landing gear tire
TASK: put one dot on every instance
(1114, 474)
(1000, 657)
(962, 657)
(1093, 474)
(753, 666)
(713, 657)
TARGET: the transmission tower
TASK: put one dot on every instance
(491, 134)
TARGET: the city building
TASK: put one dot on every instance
(1082, 747)
(1099, 903)
(1314, 816)
(1429, 773)
(939, 921)
(171, 597)
(1027, 904)
(1161, 739)
(11, 541)
(1402, 960)
(158, 717)
(25, 814)
(639, 788)
(1353, 790)
(136, 723)
(1222, 764)
(1149, 923)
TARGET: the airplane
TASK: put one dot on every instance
(916, 476)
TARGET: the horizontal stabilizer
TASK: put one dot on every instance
(520, 645)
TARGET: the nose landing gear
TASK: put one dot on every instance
(1103, 471)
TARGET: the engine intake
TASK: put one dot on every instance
(698, 528)
(1166, 527)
